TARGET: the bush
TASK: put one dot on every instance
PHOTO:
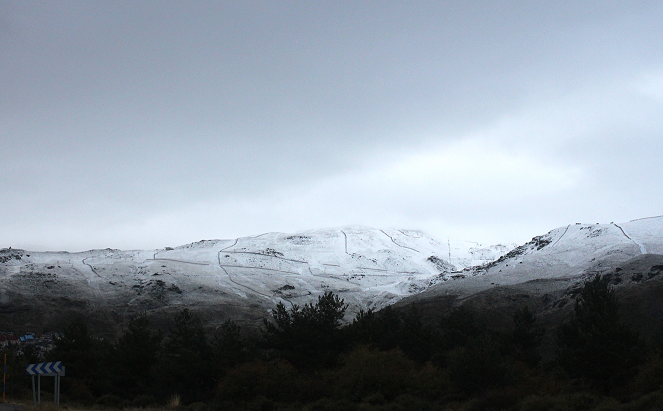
(413, 403)
(494, 400)
(80, 392)
(476, 367)
(366, 372)
(275, 380)
(143, 401)
(109, 400)
(650, 375)
(198, 406)
(649, 402)
(582, 401)
(430, 383)
(541, 403)
(326, 404)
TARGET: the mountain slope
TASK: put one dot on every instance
(570, 251)
(546, 273)
(240, 279)
(243, 279)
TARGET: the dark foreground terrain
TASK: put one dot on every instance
(498, 351)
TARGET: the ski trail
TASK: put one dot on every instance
(261, 268)
(269, 297)
(646, 218)
(232, 245)
(643, 249)
(179, 261)
(560, 237)
(92, 268)
(408, 234)
(95, 287)
(266, 255)
(260, 235)
(218, 256)
(346, 242)
(394, 241)
(154, 257)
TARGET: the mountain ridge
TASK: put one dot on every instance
(241, 279)
(244, 278)
(546, 273)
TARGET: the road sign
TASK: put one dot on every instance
(44, 368)
(50, 369)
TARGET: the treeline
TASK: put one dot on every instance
(305, 359)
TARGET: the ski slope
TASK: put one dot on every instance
(368, 267)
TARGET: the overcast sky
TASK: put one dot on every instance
(138, 125)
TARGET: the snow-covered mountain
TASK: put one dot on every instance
(241, 278)
(572, 251)
(546, 273)
(244, 278)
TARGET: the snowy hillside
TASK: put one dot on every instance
(572, 252)
(247, 276)
(546, 274)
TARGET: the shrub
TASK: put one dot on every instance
(649, 402)
(326, 404)
(541, 403)
(366, 372)
(650, 375)
(494, 400)
(80, 392)
(477, 367)
(582, 401)
(144, 401)
(413, 403)
(274, 380)
(109, 400)
(198, 406)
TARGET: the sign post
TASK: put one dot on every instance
(4, 380)
(47, 369)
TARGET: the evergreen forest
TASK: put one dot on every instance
(305, 358)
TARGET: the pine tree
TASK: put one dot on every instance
(230, 347)
(459, 328)
(135, 355)
(592, 343)
(388, 329)
(185, 365)
(380, 329)
(86, 359)
(307, 336)
(526, 337)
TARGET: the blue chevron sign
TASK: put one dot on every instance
(43, 368)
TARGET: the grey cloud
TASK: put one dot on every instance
(118, 111)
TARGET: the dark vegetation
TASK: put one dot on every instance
(388, 360)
